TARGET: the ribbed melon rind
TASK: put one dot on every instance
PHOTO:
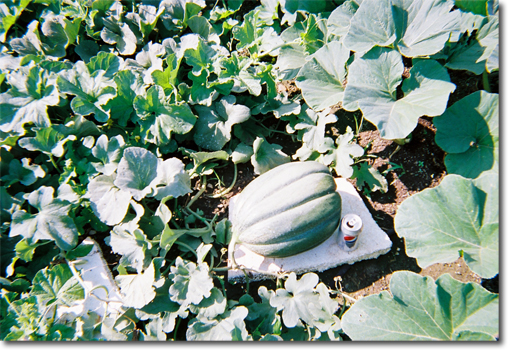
(308, 188)
(276, 179)
(298, 242)
(280, 218)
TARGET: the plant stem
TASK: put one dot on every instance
(176, 328)
(227, 190)
(224, 268)
(54, 163)
(187, 246)
(486, 82)
(200, 192)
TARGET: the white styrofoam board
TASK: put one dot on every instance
(97, 281)
(372, 242)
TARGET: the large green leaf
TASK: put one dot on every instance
(136, 172)
(458, 217)
(159, 118)
(321, 79)
(92, 90)
(191, 282)
(119, 34)
(57, 285)
(416, 27)
(229, 326)
(109, 203)
(479, 53)
(27, 100)
(128, 85)
(373, 80)
(372, 24)
(424, 26)
(469, 132)
(267, 156)
(305, 300)
(47, 140)
(214, 125)
(51, 222)
(137, 289)
(423, 309)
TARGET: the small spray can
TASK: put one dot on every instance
(350, 226)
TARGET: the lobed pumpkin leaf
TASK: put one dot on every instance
(51, 222)
(420, 308)
(373, 80)
(469, 132)
(321, 79)
(458, 217)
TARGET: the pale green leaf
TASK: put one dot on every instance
(160, 119)
(28, 99)
(109, 151)
(373, 80)
(304, 300)
(108, 202)
(47, 140)
(137, 289)
(424, 26)
(136, 172)
(267, 156)
(119, 34)
(371, 25)
(172, 180)
(131, 246)
(210, 307)
(416, 27)
(57, 284)
(229, 326)
(92, 90)
(191, 282)
(242, 153)
(213, 128)
(345, 153)
(51, 222)
(312, 126)
(423, 309)
(321, 79)
(107, 62)
(340, 19)
(458, 216)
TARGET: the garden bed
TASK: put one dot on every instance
(132, 125)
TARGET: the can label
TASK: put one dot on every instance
(350, 241)
(351, 226)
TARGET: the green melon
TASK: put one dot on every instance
(288, 210)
